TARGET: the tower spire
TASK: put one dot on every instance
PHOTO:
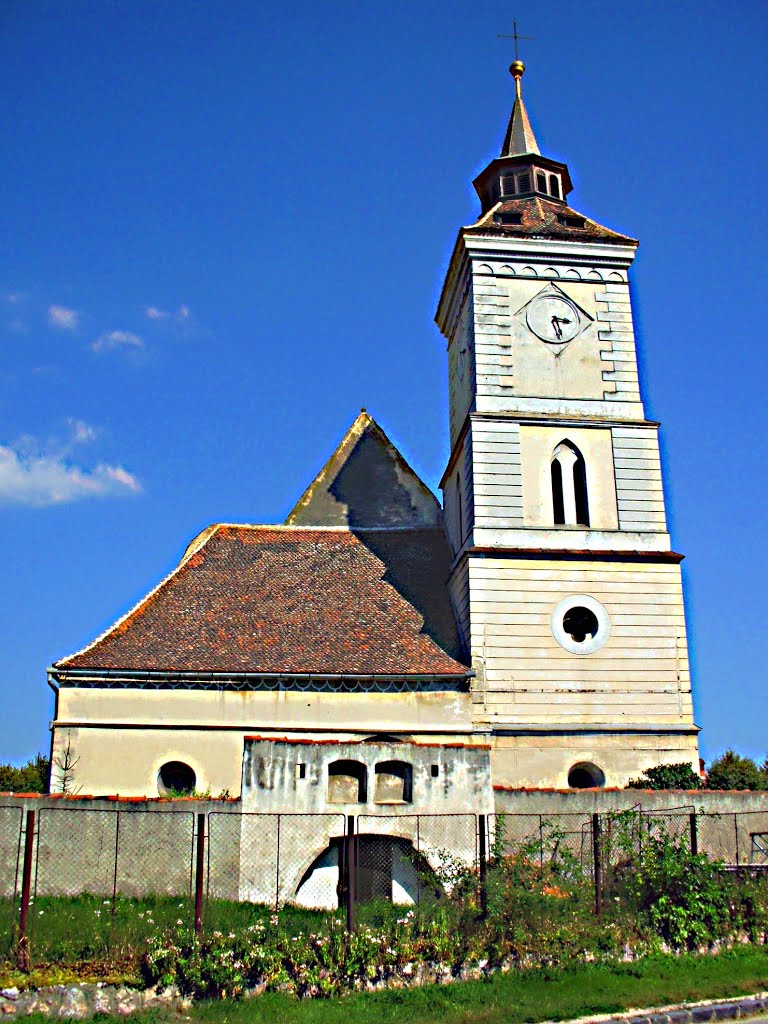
(519, 138)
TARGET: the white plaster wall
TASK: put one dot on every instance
(639, 488)
(544, 760)
(640, 676)
(537, 444)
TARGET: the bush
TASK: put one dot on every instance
(682, 898)
(30, 778)
(540, 913)
(732, 771)
(667, 776)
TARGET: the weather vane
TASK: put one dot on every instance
(514, 36)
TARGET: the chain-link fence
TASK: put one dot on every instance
(401, 858)
(273, 859)
(11, 832)
(544, 839)
(84, 882)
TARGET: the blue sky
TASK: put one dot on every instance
(224, 229)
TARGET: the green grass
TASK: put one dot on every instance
(514, 998)
(69, 929)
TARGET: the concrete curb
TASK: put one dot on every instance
(684, 1013)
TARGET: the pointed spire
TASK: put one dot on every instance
(519, 138)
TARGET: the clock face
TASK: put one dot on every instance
(553, 319)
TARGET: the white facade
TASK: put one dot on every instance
(555, 510)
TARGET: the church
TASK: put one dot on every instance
(382, 648)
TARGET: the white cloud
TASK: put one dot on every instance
(62, 318)
(42, 480)
(81, 432)
(109, 340)
(182, 314)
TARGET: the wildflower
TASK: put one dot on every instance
(179, 921)
(41, 912)
(273, 919)
(231, 935)
(107, 902)
(556, 891)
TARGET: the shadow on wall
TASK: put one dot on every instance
(368, 487)
(379, 488)
(417, 564)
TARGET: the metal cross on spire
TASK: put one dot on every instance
(514, 36)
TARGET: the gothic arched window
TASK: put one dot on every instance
(554, 186)
(570, 504)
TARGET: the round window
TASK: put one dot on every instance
(586, 775)
(580, 624)
(176, 779)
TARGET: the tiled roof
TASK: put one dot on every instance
(269, 599)
(539, 219)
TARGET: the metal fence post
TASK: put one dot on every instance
(481, 820)
(199, 873)
(350, 868)
(694, 833)
(22, 955)
(598, 865)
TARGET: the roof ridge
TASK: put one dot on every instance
(308, 528)
(203, 537)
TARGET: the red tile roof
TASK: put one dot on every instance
(539, 219)
(268, 599)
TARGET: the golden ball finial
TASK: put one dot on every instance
(516, 69)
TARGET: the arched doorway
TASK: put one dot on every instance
(388, 868)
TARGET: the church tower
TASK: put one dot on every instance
(567, 592)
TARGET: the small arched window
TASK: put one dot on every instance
(570, 504)
(176, 778)
(541, 182)
(554, 186)
(586, 775)
(394, 782)
(347, 782)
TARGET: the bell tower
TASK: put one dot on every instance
(567, 592)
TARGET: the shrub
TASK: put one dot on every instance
(667, 776)
(682, 898)
(732, 771)
(30, 778)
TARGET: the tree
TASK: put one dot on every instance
(732, 771)
(667, 776)
(64, 770)
(30, 778)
